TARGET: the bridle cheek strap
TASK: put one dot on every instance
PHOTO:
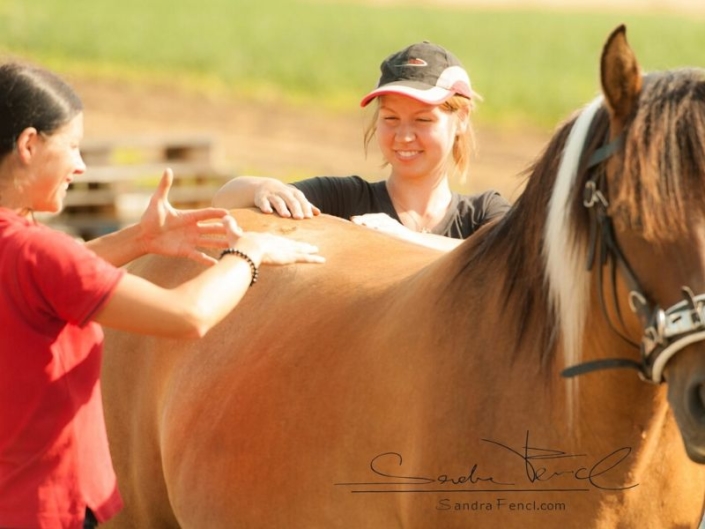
(665, 332)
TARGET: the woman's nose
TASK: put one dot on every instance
(405, 133)
(80, 165)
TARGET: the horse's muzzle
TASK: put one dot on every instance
(686, 394)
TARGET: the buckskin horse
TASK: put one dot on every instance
(490, 386)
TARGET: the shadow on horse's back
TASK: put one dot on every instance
(398, 387)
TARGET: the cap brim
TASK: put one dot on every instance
(431, 96)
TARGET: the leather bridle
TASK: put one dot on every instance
(666, 331)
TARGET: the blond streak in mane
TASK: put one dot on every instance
(568, 281)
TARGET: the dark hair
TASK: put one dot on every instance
(33, 97)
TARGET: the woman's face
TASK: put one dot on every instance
(414, 137)
(55, 162)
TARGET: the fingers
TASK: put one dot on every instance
(280, 205)
(202, 258)
(287, 201)
(210, 235)
(211, 228)
(283, 257)
(300, 206)
(232, 231)
(203, 214)
(164, 184)
(366, 220)
(274, 249)
(310, 258)
(281, 251)
(303, 247)
(303, 210)
(265, 205)
(378, 221)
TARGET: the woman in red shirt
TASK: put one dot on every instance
(55, 469)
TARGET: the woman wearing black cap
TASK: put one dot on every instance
(422, 124)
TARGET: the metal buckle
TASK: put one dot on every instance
(592, 195)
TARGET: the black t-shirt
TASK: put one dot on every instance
(351, 195)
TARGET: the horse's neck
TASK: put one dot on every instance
(614, 408)
(492, 296)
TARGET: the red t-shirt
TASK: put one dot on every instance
(54, 457)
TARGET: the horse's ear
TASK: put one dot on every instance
(621, 75)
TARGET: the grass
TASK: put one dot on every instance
(531, 67)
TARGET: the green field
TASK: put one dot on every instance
(529, 66)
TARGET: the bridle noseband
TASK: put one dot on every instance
(665, 331)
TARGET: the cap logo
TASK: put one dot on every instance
(415, 62)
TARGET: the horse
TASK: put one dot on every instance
(548, 372)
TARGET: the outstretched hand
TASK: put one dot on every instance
(270, 248)
(384, 223)
(280, 250)
(179, 233)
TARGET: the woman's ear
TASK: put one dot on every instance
(27, 144)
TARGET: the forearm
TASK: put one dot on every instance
(189, 310)
(214, 293)
(120, 247)
(238, 192)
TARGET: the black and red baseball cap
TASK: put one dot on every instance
(424, 71)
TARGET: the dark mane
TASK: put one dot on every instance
(662, 180)
(514, 245)
(663, 176)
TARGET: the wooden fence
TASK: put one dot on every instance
(122, 173)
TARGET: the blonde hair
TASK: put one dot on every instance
(464, 145)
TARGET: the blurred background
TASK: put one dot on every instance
(217, 88)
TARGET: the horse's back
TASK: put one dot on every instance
(286, 351)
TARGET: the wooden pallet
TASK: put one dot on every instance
(122, 173)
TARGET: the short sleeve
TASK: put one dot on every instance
(59, 277)
(494, 206)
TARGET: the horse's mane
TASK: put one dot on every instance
(542, 245)
(663, 176)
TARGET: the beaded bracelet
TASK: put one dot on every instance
(243, 255)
